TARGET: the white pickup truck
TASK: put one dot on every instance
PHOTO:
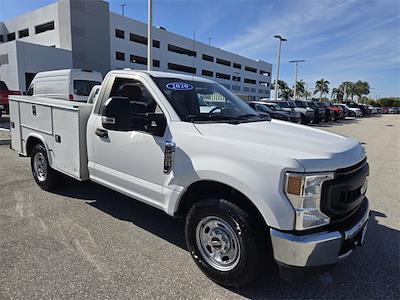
(249, 188)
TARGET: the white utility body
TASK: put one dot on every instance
(188, 146)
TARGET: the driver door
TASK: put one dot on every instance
(131, 161)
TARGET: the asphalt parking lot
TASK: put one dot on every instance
(85, 241)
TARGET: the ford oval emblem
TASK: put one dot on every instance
(179, 86)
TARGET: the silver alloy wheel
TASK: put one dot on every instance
(218, 243)
(40, 166)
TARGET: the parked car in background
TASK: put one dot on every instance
(365, 112)
(330, 112)
(307, 115)
(4, 93)
(394, 110)
(347, 111)
(263, 110)
(342, 112)
(68, 84)
(319, 112)
(295, 116)
(310, 111)
(384, 110)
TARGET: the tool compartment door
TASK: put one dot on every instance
(65, 152)
(15, 128)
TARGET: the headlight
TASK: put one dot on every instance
(304, 192)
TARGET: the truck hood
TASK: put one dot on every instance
(316, 150)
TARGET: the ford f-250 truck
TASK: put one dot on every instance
(248, 187)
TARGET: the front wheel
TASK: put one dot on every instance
(44, 175)
(223, 243)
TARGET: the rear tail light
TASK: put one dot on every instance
(71, 97)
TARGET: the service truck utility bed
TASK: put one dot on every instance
(61, 123)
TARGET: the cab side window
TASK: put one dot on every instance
(145, 114)
(140, 98)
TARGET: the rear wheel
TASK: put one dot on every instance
(223, 242)
(44, 175)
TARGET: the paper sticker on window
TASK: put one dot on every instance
(179, 86)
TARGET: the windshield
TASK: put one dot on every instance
(263, 108)
(198, 101)
(84, 87)
(300, 104)
(283, 104)
(274, 106)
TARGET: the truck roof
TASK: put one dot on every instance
(161, 74)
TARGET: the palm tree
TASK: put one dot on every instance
(322, 87)
(361, 88)
(300, 88)
(337, 93)
(348, 89)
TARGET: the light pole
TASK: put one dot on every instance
(149, 26)
(209, 41)
(278, 61)
(296, 62)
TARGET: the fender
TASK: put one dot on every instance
(46, 146)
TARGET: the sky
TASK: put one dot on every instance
(340, 40)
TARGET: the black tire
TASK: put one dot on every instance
(251, 248)
(47, 179)
(304, 120)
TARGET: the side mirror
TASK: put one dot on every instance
(116, 114)
(153, 123)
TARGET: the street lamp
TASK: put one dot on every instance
(296, 62)
(149, 26)
(278, 61)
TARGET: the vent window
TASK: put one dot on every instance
(44, 27)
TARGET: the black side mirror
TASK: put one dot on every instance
(116, 114)
(153, 123)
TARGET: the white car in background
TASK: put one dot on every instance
(68, 84)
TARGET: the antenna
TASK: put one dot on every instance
(209, 41)
(123, 8)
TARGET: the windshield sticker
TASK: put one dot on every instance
(179, 86)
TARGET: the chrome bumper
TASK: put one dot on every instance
(318, 249)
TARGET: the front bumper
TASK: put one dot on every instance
(320, 248)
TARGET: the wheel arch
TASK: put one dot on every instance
(32, 140)
(201, 189)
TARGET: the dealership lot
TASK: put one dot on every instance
(84, 240)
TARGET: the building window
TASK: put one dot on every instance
(138, 59)
(142, 40)
(120, 56)
(250, 69)
(119, 33)
(23, 33)
(253, 90)
(44, 27)
(235, 88)
(181, 50)
(236, 78)
(223, 76)
(207, 73)
(10, 36)
(156, 63)
(246, 89)
(265, 73)
(181, 68)
(237, 66)
(208, 58)
(156, 44)
(223, 62)
(251, 81)
(263, 83)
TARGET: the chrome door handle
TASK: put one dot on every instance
(101, 133)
